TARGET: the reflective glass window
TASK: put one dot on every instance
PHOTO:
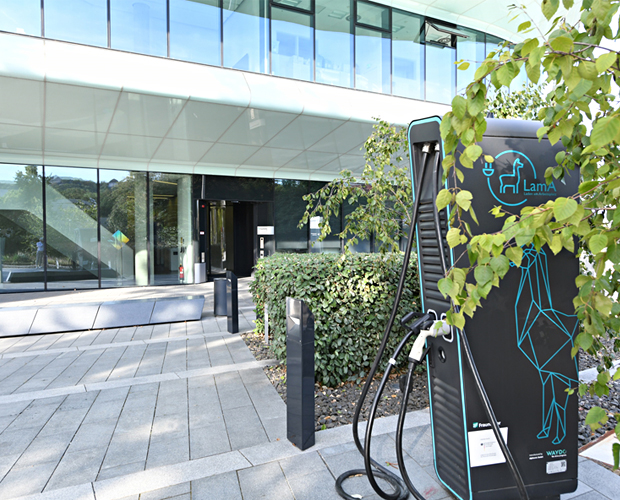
(22, 248)
(300, 4)
(334, 43)
(289, 208)
(440, 73)
(21, 16)
(491, 44)
(245, 35)
(407, 55)
(81, 21)
(372, 60)
(373, 15)
(71, 216)
(170, 229)
(291, 44)
(123, 228)
(472, 50)
(139, 26)
(331, 244)
(195, 31)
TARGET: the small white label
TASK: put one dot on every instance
(556, 467)
(484, 448)
(267, 230)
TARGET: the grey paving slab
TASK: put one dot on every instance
(582, 488)
(600, 479)
(244, 427)
(167, 451)
(302, 464)
(271, 452)
(81, 492)
(124, 313)
(313, 486)
(16, 320)
(264, 482)
(77, 467)
(217, 487)
(94, 435)
(209, 440)
(120, 470)
(44, 449)
(61, 318)
(179, 309)
(26, 481)
(168, 492)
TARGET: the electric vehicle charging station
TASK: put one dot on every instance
(521, 338)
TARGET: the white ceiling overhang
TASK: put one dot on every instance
(73, 105)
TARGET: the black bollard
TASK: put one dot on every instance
(232, 302)
(219, 297)
(299, 374)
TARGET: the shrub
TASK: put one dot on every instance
(351, 298)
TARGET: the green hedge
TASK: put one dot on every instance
(351, 298)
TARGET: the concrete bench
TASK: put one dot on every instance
(98, 315)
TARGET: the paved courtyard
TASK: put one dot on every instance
(177, 411)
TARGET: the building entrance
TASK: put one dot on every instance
(226, 231)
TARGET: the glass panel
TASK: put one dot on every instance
(123, 228)
(331, 244)
(291, 44)
(21, 16)
(245, 35)
(221, 252)
(372, 60)
(195, 31)
(407, 55)
(139, 26)
(491, 44)
(472, 50)
(71, 209)
(289, 209)
(237, 188)
(22, 248)
(362, 246)
(172, 248)
(334, 43)
(440, 73)
(300, 4)
(373, 15)
(81, 21)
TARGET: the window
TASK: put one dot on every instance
(139, 26)
(21, 16)
(291, 44)
(334, 42)
(407, 55)
(289, 209)
(441, 42)
(472, 50)
(22, 246)
(245, 35)
(81, 21)
(195, 31)
(372, 60)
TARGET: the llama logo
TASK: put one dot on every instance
(545, 336)
(509, 176)
(511, 180)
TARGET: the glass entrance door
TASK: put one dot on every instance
(220, 240)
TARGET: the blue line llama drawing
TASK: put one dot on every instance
(511, 180)
(544, 335)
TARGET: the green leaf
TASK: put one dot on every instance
(501, 265)
(562, 44)
(524, 26)
(445, 286)
(528, 46)
(616, 453)
(563, 208)
(473, 152)
(604, 131)
(506, 74)
(459, 106)
(444, 197)
(463, 199)
(463, 66)
(596, 417)
(586, 186)
(549, 8)
(567, 4)
(597, 243)
(515, 254)
(489, 158)
(580, 89)
(605, 61)
(453, 237)
(483, 274)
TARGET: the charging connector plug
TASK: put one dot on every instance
(437, 329)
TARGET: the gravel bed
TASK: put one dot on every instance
(336, 405)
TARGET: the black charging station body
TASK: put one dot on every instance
(521, 338)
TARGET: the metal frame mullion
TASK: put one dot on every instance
(42, 19)
(168, 28)
(43, 201)
(221, 4)
(109, 25)
(98, 229)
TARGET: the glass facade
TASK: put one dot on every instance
(81, 21)
(348, 43)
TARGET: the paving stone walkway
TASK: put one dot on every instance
(179, 411)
